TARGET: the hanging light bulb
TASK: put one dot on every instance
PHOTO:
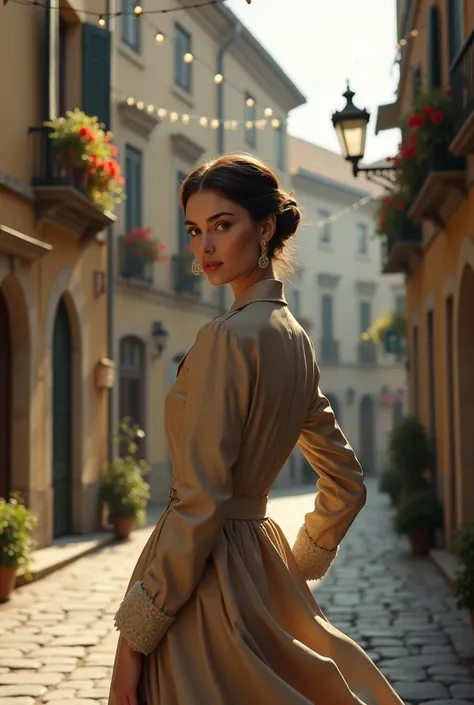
(130, 101)
(275, 122)
(150, 109)
(162, 112)
(218, 78)
(159, 38)
(250, 102)
(249, 124)
(204, 122)
(402, 42)
(188, 58)
(185, 119)
(140, 105)
(174, 117)
(268, 112)
(233, 124)
(214, 124)
(101, 21)
(414, 33)
(137, 10)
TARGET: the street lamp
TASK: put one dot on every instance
(159, 335)
(350, 124)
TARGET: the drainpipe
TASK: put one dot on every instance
(110, 293)
(220, 88)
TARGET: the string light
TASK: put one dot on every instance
(188, 58)
(250, 102)
(138, 10)
(218, 78)
(101, 21)
(159, 38)
(344, 211)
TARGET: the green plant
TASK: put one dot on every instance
(395, 320)
(17, 524)
(81, 142)
(410, 454)
(463, 584)
(391, 483)
(124, 488)
(418, 512)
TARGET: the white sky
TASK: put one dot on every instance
(322, 43)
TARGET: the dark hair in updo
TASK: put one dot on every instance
(251, 184)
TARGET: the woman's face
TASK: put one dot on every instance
(225, 240)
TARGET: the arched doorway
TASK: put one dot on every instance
(62, 422)
(132, 400)
(367, 434)
(465, 350)
(5, 398)
(334, 401)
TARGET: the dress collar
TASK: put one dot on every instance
(263, 290)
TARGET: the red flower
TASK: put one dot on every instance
(428, 109)
(401, 205)
(416, 121)
(114, 150)
(408, 152)
(437, 117)
(87, 133)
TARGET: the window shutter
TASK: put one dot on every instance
(454, 28)
(96, 44)
(365, 316)
(52, 54)
(183, 237)
(434, 48)
(416, 81)
(327, 317)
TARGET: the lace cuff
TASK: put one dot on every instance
(140, 621)
(313, 560)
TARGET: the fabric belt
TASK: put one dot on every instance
(238, 507)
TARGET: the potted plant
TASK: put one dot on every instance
(410, 454)
(141, 248)
(391, 483)
(417, 516)
(462, 586)
(83, 153)
(124, 488)
(394, 320)
(17, 524)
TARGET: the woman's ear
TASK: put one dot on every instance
(268, 227)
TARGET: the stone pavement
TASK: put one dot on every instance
(57, 639)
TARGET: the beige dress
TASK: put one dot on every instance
(218, 602)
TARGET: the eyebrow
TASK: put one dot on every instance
(211, 219)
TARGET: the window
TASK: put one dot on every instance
(327, 316)
(324, 230)
(434, 48)
(365, 315)
(416, 81)
(182, 70)
(133, 187)
(362, 239)
(183, 236)
(250, 117)
(280, 147)
(130, 25)
(454, 28)
(132, 382)
(400, 303)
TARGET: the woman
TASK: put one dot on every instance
(218, 611)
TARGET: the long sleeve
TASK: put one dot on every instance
(341, 489)
(216, 409)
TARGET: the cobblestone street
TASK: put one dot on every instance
(57, 640)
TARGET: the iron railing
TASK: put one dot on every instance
(184, 281)
(462, 82)
(440, 159)
(367, 352)
(407, 232)
(132, 268)
(329, 350)
(48, 167)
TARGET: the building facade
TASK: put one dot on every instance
(53, 262)
(170, 112)
(339, 291)
(435, 249)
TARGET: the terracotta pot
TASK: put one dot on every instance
(421, 542)
(123, 526)
(7, 583)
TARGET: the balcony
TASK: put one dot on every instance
(131, 268)
(329, 350)
(367, 353)
(462, 84)
(441, 188)
(60, 194)
(402, 252)
(184, 281)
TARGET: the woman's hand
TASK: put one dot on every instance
(127, 674)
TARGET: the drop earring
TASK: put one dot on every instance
(263, 260)
(196, 268)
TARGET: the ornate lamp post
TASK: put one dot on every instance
(350, 124)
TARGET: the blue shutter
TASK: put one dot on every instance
(454, 28)
(327, 316)
(365, 315)
(96, 43)
(133, 188)
(434, 47)
(183, 236)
